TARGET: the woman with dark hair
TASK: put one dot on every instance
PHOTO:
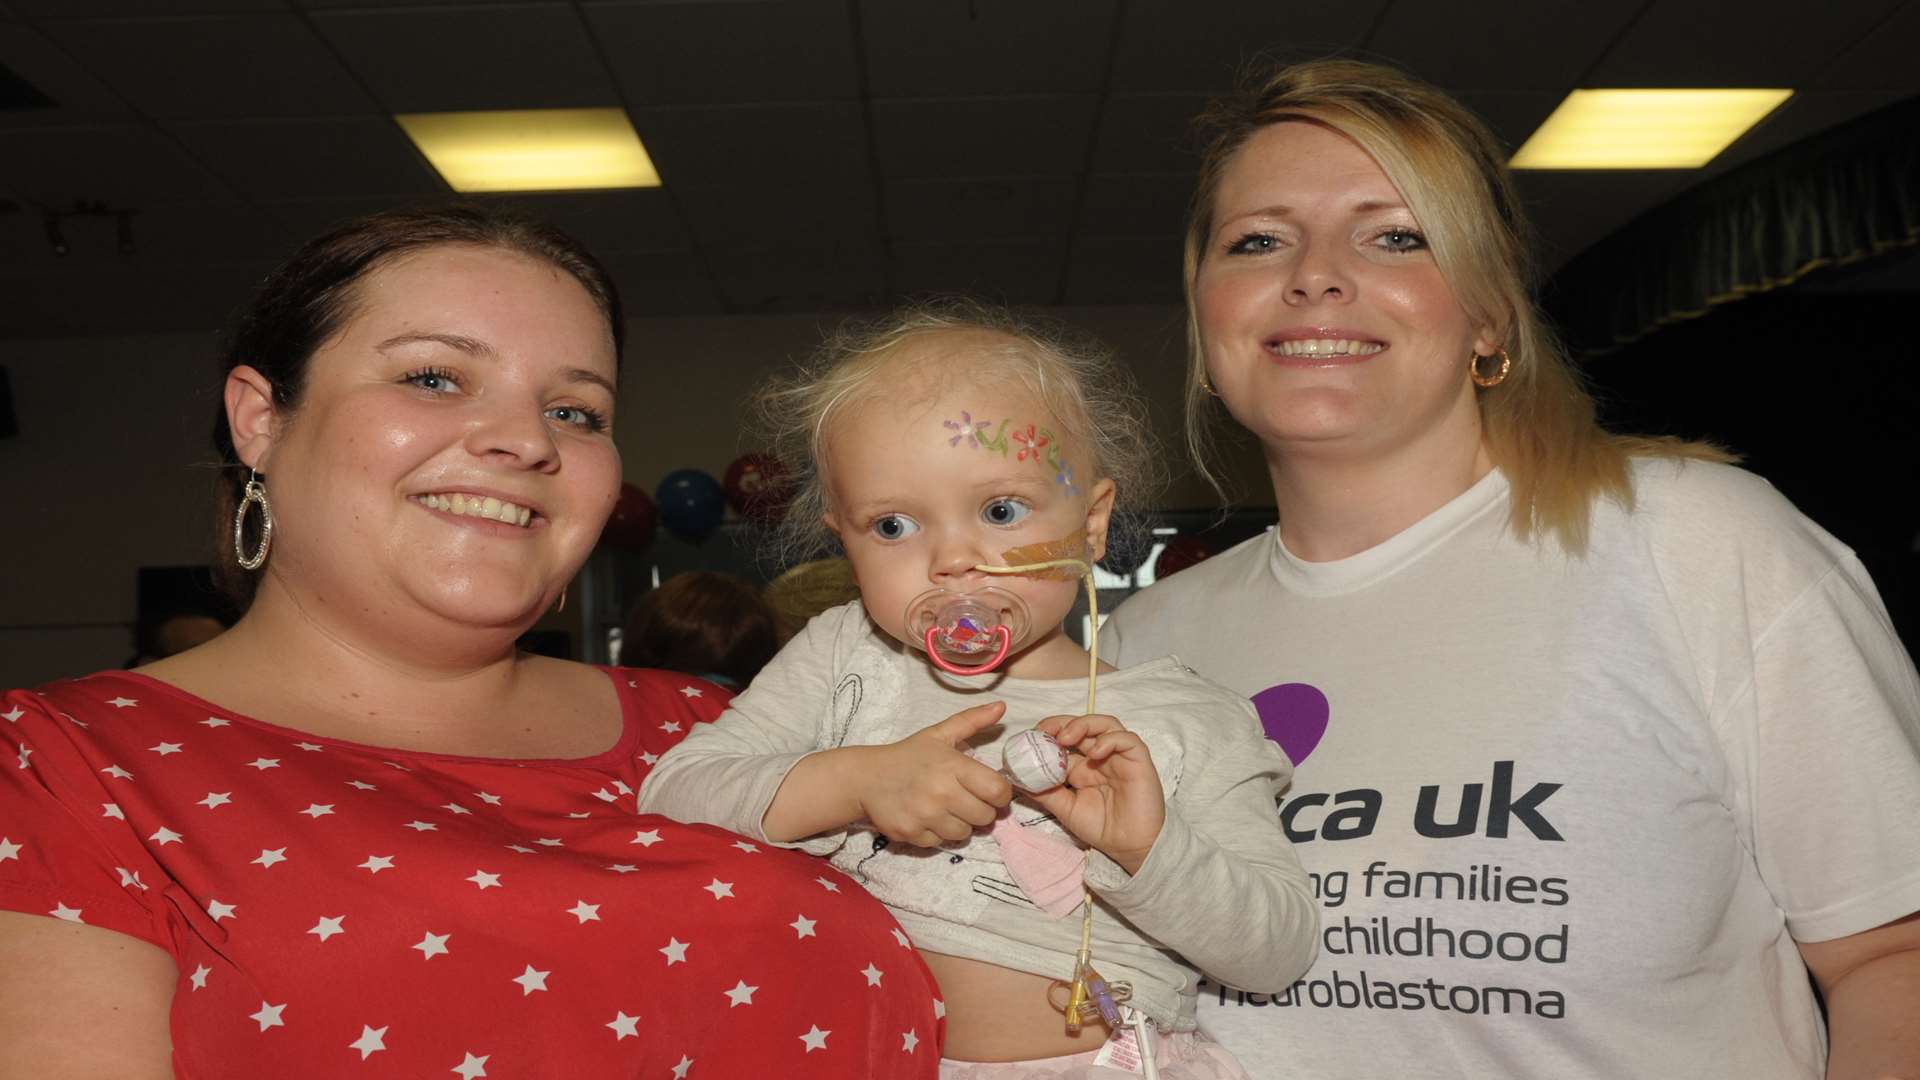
(702, 622)
(1601, 747)
(359, 832)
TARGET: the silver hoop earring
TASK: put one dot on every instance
(256, 492)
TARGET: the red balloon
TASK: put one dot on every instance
(1180, 553)
(633, 520)
(756, 487)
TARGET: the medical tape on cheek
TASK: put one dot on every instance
(1067, 547)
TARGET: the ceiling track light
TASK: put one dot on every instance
(86, 209)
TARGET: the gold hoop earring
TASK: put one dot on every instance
(1488, 381)
(1207, 385)
(562, 605)
(256, 492)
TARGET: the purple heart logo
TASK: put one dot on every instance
(1295, 716)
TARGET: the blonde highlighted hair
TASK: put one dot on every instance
(1539, 424)
(1074, 376)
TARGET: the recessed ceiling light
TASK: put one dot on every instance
(532, 149)
(1644, 129)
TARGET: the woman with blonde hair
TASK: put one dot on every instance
(1601, 747)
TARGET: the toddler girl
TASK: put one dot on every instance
(936, 445)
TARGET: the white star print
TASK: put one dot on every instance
(624, 1026)
(939, 1009)
(522, 849)
(647, 838)
(165, 836)
(720, 889)
(269, 1016)
(123, 702)
(815, 1039)
(472, 1067)
(363, 785)
(25, 753)
(901, 937)
(318, 810)
(872, 973)
(827, 884)
(377, 863)
(217, 910)
(485, 797)
(432, 944)
(9, 849)
(199, 977)
(581, 816)
(269, 857)
(606, 796)
(585, 912)
(328, 926)
(117, 772)
(484, 879)
(215, 721)
(669, 727)
(314, 748)
(621, 787)
(74, 720)
(112, 810)
(265, 763)
(741, 994)
(675, 951)
(909, 1040)
(14, 716)
(456, 808)
(803, 927)
(216, 798)
(130, 879)
(371, 1039)
(744, 846)
(680, 1070)
(690, 691)
(166, 748)
(396, 765)
(531, 980)
(70, 914)
(549, 842)
(623, 868)
(650, 758)
(421, 826)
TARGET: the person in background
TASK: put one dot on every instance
(712, 625)
(806, 590)
(1601, 747)
(360, 833)
(174, 632)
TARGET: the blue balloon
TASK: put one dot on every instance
(692, 504)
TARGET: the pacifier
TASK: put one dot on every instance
(986, 621)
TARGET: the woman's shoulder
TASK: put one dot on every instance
(1704, 506)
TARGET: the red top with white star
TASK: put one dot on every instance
(344, 910)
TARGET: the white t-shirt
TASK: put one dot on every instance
(1566, 817)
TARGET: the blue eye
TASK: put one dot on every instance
(1253, 244)
(433, 379)
(579, 416)
(1005, 512)
(1401, 240)
(894, 527)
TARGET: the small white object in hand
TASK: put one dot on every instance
(1034, 761)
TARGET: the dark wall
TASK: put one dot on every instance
(1821, 394)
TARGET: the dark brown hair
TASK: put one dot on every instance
(702, 623)
(304, 303)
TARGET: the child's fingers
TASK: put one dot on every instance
(1052, 725)
(1078, 729)
(988, 786)
(1104, 746)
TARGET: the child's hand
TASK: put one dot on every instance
(924, 790)
(1112, 799)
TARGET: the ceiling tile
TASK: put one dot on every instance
(1802, 115)
(1168, 45)
(308, 219)
(1513, 115)
(1726, 43)
(1505, 45)
(638, 220)
(1572, 210)
(165, 240)
(985, 47)
(959, 211)
(827, 277)
(335, 5)
(1148, 133)
(1005, 273)
(668, 53)
(77, 96)
(983, 137)
(128, 166)
(1882, 59)
(125, 302)
(215, 66)
(296, 159)
(136, 8)
(732, 221)
(433, 60)
(729, 144)
(658, 284)
(1123, 270)
(1137, 205)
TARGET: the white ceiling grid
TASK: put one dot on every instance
(818, 154)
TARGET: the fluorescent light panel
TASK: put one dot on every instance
(532, 149)
(1644, 129)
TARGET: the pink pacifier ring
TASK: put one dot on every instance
(933, 653)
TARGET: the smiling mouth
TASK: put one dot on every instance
(1312, 348)
(480, 506)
